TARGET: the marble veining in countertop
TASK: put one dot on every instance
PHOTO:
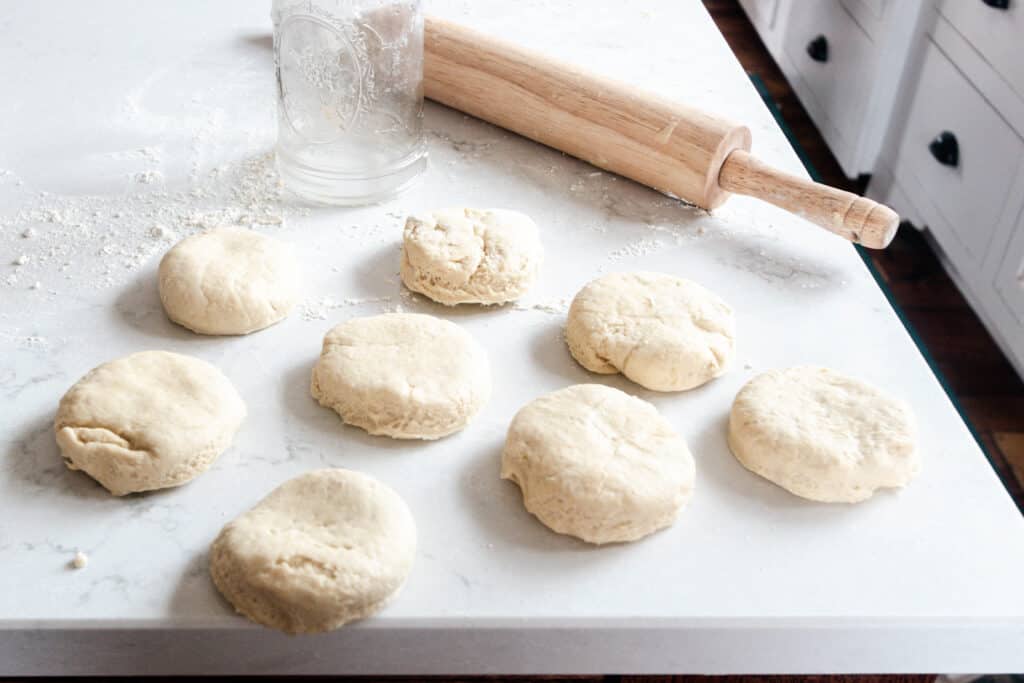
(168, 115)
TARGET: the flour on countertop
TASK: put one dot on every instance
(31, 341)
(80, 560)
(318, 309)
(639, 248)
(551, 306)
(98, 241)
(161, 232)
(148, 177)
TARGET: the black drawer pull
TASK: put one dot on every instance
(945, 149)
(818, 49)
(997, 4)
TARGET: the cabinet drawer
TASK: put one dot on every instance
(969, 192)
(1010, 279)
(998, 34)
(868, 14)
(875, 7)
(839, 74)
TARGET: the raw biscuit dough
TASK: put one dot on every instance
(663, 332)
(461, 256)
(822, 435)
(596, 463)
(402, 375)
(147, 421)
(228, 281)
(323, 549)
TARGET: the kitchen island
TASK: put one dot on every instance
(128, 129)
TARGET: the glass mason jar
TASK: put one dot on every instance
(350, 97)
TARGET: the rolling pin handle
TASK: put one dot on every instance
(850, 216)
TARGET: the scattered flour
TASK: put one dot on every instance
(98, 241)
(551, 307)
(318, 309)
(80, 560)
(31, 341)
(161, 232)
(641, 247)
(148, 177)
(409, 297)
(151, 153)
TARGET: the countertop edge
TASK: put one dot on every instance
(901, 646)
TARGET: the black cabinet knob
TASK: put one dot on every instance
(945, 149)
(818, 49)
(997, 4)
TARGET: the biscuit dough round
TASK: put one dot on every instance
(402, 375)
(822, 435)
(147, 421)
(228, 281)
(596, 463)
(662, 332)
(478, 256)
(321, 550)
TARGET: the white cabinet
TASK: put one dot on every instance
(926, 96)
(996, 33)
(958, 155)
(962, 83)
(839, 56)
(1010, 278)
(833, 60)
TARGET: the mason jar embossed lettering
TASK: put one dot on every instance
(350, 97)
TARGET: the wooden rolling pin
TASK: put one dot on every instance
(666, 145)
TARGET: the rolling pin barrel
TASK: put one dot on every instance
(660, 143)
(666, 145)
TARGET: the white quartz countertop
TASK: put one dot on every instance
(126, 126)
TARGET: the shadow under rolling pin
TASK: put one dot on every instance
(666, 145)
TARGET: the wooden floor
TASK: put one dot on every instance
(982, 381)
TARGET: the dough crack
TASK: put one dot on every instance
(304, 562)
(147, 421)
(95, 434)
(484, 257)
